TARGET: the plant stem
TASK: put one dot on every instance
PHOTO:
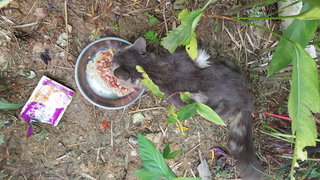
(247, 6)
(267, 18)
(244, 22)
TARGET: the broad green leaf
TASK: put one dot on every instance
(186, 178)
(170, 120)
(183, 14)
(153, 160)
(304, 99)
(147, 82)
(172, 155)
(299, 31)
(182, 35)
(311, 14)
(143, 174)
(185, 97)
(8, 106)
(313, 2)
(186, 112)
(206, 112)
(192, 47)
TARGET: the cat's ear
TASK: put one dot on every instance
(121, 73)
(140, 44)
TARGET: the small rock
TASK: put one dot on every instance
(41, 13)
(133, 140)
(138, 117)
(133, 153)
(62, 40)
(80, 138)
(156, 139)
(27, 74)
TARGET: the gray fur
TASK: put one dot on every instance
(218, 83)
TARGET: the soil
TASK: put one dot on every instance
(94, 143)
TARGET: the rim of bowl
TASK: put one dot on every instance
(78, 83)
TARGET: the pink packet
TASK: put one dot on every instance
(47, 103)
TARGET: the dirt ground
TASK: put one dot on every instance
(94, 143)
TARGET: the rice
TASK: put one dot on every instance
(101, 65)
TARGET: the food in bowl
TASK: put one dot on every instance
(100, 65)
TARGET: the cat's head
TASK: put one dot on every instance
(124, 63)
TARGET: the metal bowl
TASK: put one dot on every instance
(93, 90)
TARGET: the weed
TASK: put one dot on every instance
(153, 36)
(152, 19)
(113, 25)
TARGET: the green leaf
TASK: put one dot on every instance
(311, 14)
(186, 112)
(299, 31)
(152, 35)
(304, 99)
(147, 82)
(313, 2)
(183, 33)
(185, 97)
(1, 139)
(172, 155)
(8, 106)
(172, 115)
(143, 174)
(152, 19)
(206, 112)
(183, 14)
(192, 47)
(2, 87)
(153, 160)
(186, 178)
(166, 150)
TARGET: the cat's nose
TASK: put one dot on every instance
(121, 73)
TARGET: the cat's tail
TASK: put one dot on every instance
(242, 146)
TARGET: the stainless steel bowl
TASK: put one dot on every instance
(92, 89)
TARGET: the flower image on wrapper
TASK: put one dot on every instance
(47, 103)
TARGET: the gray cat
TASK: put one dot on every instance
(217, 83)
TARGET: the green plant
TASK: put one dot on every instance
(154, 164)
(304, 98)
(152, 19)
(187, 111)
(113, 25)
(153, 36)
(8, 106)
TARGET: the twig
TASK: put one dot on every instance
(194, 148)
(269, 38)
(146, 109)
(67, 31)
(76, 144)
(111, 134)
(98, 153)
(67, 52)
(25, 25)
(132, 4)
(232, 38)
(165, 19)
(67, 68)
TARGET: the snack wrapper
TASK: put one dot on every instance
(47, 103)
